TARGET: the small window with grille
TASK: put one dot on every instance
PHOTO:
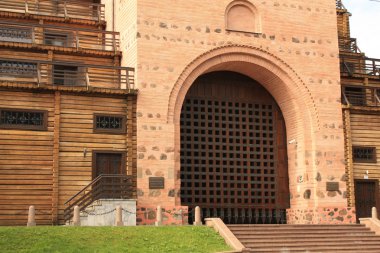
(114, 124)
(23, 119)
(364, 154)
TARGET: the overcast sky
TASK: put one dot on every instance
(365, 25)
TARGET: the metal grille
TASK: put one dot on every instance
(364, 154)
(22, 119)
(109, 122)
(15, 34)
(23, 69)
(233, 151)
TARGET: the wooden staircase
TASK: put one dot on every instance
(307, 238)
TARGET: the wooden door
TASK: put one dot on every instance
(108, 164)
(366, 197)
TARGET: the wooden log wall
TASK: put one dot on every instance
(365, 131)
(46, 168)
(77, 136)
(26, 160)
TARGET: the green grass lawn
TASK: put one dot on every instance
(111, 239)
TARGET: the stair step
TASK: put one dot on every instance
(302, 233)
(318, 248)
(350, 238)
(311, 240)
(310, 244)
(305, 236)
(316, 251)
(297, 228)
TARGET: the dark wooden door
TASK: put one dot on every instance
(233, 151)
(108, 164)
(366, 197)
(111, 185)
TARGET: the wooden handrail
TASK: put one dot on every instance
(71, 74)
(358, 95)
(75, 37)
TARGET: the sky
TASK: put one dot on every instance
(365, 25)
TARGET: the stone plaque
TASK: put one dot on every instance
(156, 183)
(332, 186)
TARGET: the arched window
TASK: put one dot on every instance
(242, 16)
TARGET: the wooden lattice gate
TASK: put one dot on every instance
(233, 151)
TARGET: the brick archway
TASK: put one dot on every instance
(277, 77)
(273, 73)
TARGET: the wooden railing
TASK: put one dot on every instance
(59, 36)
(349, 45)
(58, 8)
(360, 67)
(102, 187)
(45, 73)
(339, 5)
(361, 96)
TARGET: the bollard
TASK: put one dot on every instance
(31, 217)
(198, 220)
(159, 216)
(76, 218)
(374, 213)
(119, 217)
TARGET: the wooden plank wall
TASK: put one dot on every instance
(46, 168)
(365, 131)
(76, 135)
(26, 162)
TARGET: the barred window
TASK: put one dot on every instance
(15, 34)
(23, 119)
(109, 123)
(364, 154)
(13, 68)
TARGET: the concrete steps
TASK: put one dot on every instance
(307, 238)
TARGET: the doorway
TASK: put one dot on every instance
(233, 151)
(366, 197)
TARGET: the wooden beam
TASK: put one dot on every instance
(57, 119)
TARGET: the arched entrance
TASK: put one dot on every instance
(233, 151)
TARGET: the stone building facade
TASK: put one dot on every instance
(289, 47)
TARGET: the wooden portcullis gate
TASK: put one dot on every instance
(233, 151)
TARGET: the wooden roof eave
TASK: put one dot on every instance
(70, 89)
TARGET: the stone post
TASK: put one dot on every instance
(374, 213)
(159, 216)
(119, 217)
(198, 219)
(76, 218)
(31, 217)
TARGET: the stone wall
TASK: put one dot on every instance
(322, 216)
(172, 216)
